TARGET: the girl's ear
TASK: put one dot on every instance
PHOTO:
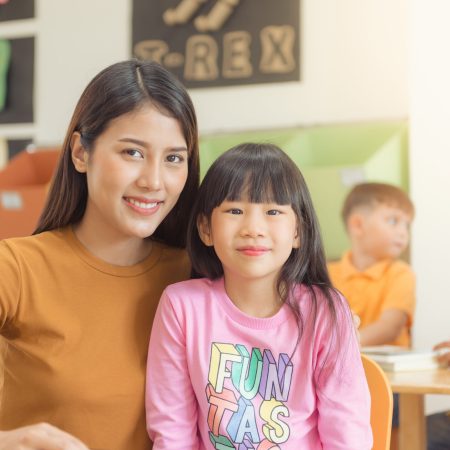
(204, 230)
(296, 241)
(79, 153)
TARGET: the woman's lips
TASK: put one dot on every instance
(143, 206)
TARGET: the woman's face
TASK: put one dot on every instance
(135, 173)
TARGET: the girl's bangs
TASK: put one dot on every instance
(260, 185)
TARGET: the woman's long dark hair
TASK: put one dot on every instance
(263, 173)
(120, 89)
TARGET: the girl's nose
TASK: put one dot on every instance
(252, 226)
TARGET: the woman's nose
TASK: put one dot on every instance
(150, 177)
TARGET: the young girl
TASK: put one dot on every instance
(77, 299)
(261, 353)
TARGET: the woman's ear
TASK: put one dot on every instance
(204, 230)
(79, 153)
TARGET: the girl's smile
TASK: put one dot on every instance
(252, 240)
(253, 250)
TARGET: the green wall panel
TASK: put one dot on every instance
(332, 159)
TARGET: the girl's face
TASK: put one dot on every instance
(135, 173)
(252, 240)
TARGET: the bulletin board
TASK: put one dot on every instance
(15, 146)
(18, 106)
(16, 10)
(220, 43)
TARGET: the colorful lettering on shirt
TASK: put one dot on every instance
(267, 445)
(243, 423)
(246, 375)
(264, 445)
(221, 442)
(246, 394)
(275, 430)
(218, 404)
(221, 356)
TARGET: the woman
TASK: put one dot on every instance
(77, 299)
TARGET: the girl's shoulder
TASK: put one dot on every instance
(195, 288)
(191, 297)
(315, 292)
(323, 301)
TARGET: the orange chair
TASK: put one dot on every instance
(23, 189)
(381, 407)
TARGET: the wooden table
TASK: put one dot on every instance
(412, 387)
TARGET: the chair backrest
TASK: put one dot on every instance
(381, 406)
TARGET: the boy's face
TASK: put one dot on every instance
(383, 231)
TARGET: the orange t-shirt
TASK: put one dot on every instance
(386, 285)
(74, 337)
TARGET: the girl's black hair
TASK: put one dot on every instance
(263, 173)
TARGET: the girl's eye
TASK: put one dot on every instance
(273, 212)
(235, 211)
(175, 158)
(392, 221)
(134, 153)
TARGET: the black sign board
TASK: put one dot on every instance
(16, 9)
(220, 42)
(19, 97)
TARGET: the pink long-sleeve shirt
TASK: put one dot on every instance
(220, 379)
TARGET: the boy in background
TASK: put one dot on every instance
(378, 286)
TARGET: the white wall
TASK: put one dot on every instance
(430, 168)
(353, 65)
(76, 39)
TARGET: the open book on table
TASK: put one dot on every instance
(396, 359)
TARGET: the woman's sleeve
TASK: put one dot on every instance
(343, 398)
(171, 405)
(9, 286)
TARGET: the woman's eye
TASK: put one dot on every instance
(392, 221)
(134, 153)
(273, 212)
(175, 158)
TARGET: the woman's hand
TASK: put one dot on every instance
(444, 356)
(39, 437)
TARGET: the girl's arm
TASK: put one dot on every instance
(170, 400)
(343, 398)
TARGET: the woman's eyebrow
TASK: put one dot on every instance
(134, 141)
(144, 144)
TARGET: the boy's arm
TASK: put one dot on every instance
(397, 308)
(385, 330)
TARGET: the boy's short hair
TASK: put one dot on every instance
(371, 194)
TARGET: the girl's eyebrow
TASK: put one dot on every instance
(145, 145)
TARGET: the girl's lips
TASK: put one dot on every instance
(253, 251)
